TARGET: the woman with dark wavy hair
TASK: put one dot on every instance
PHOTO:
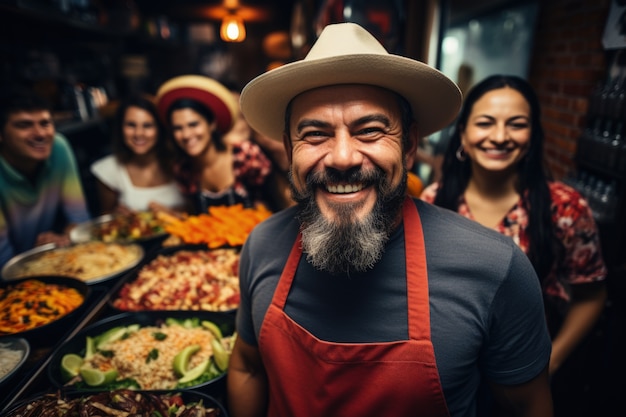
(137, 176)
(211, 171)
(493, 173)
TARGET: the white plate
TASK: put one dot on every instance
(84, 232)
(17, 344)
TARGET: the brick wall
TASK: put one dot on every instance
(568, 61)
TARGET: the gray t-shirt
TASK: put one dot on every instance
(486, 309)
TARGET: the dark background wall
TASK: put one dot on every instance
(568, 62)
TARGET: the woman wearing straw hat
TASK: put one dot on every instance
(199, 111)
(362, 301)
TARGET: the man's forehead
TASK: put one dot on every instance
(30, 115)
(346, 95)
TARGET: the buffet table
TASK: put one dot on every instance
(187, 274)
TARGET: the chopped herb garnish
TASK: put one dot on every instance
(152, 355)
(159, 335)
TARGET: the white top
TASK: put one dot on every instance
(115, 176)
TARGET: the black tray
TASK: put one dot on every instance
(131, 275)
(187, 396)
(77, 343)
(54, 328)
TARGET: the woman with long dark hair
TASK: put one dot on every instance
(493, 173)
(137, 175)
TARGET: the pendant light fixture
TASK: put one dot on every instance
(232, 29)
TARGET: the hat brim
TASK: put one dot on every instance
(434, 98)
(210, 93)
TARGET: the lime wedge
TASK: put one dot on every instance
(195, 373)
(70, 365)
(213, 328)
(220, 355)
(181, 360)
(95, 377)
(110, 336)
(90, 347)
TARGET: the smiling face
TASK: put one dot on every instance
(27, 138)
(192, 132)
(345, 141)
(140, 130)
(348, 173)
(498, 130)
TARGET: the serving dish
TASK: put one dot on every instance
(118, 402)
(48, 305)
(91, 262)
(184, 277)
(139, 350)
(137, 227)
(13, 354)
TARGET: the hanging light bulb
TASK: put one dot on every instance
(232, 29)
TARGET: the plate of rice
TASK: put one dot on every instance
(147, 351)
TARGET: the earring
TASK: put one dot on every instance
(460, 154)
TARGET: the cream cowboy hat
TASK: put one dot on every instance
(208, 92)
(345, 53)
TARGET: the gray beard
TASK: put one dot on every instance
(347, 245)
(341, 248)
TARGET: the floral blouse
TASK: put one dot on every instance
(574, 226)
(251, 168)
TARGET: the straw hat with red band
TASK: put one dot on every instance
(215, 96)
(345, 53)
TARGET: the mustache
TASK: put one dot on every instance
(353, 175)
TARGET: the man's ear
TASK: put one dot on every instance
(412, 144)
(288, 147)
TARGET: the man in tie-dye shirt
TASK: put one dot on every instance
(39, 180)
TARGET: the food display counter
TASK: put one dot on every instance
(197, 288)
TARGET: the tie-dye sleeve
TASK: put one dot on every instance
(6, 249)
(73, 198)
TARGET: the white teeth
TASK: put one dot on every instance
(497, 151)
(344, 189)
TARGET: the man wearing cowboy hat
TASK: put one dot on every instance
(360, 301)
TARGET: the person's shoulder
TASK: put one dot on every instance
(105, 161)
(62, 150)
(563, 192)
(567, 201)
(563, 195)
(61, 142)
(448, 224)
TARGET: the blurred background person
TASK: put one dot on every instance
(138, 174)
(274, 150)
(199, 111)
(41, 195)
(493, 173)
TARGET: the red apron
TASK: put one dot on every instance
(312, 377)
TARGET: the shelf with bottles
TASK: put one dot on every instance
(606, 196)
(602, 146)
(603, 193)
(86, 16)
